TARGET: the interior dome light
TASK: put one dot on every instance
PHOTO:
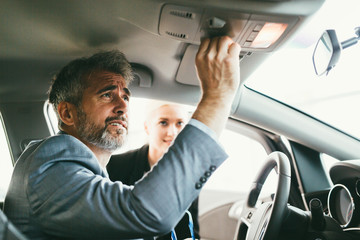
(268, 34)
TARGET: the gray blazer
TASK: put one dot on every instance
(59, 190)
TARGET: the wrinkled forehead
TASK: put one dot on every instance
(96, 80)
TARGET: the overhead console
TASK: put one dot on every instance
(258, 26)
(254, 32)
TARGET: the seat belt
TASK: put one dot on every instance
(191, 228)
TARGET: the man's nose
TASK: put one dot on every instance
(121, 105)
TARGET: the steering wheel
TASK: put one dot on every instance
(264, 222)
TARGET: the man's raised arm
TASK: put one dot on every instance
(217, 63)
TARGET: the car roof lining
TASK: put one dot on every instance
(40, 37)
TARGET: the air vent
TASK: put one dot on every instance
(180, 23)
(183, 14)
(177, 35)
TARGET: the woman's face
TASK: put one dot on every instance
(164, 124)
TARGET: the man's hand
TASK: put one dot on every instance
(217, 63)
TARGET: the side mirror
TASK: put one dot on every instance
(327, 52)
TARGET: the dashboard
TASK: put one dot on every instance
(344, 197)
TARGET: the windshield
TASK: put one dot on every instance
(290, 77)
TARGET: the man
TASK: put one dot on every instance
(162, 124)
(59, 189)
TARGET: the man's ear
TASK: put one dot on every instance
(67, 112)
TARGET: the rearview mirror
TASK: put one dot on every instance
(327, 52)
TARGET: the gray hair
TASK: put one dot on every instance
(69, 84)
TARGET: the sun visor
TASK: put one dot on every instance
(186, 73)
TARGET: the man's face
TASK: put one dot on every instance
(103, 115)
(164, 124)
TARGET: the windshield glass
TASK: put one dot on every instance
(290, 77)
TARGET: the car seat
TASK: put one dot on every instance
(7, 230)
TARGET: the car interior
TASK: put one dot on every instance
(160, 38)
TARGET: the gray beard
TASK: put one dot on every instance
(99, 137)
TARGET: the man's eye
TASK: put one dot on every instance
(106, 95)
(126, 98)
